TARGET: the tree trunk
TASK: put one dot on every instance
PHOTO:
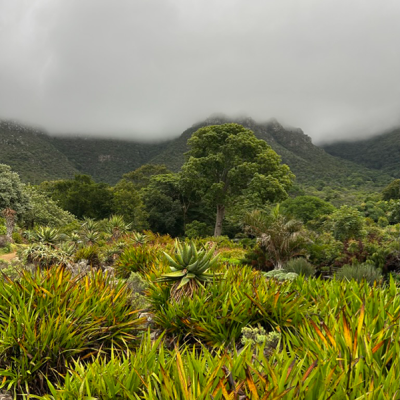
(9, 216)
(219, 220)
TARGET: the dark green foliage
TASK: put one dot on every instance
(106, 160)
(306, 208)
(346, 223)
(392, 191)
(89, 253)
(197, 229)
(141, 177)
(81, 196)
(49, 319)
(226, 161)
(162, 201)
(379, 152)
(127, 203)
(29, 152)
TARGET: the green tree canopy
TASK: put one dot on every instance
(141, 177)
(307, 208)
(346, 223)
(392, 191)
(13, 199)
(226, 161)
(44, 211)
(81, 196)
(128, 203)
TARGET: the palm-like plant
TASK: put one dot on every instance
(116, 226)
(189, 268)
(281, 237)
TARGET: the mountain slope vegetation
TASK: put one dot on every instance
(30, 153)
(37, 156)
(380, 152)
(311, 164)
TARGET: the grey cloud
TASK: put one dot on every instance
(150, 68)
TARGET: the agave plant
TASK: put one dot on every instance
(139, 238)
(188, 269)
(116, 226)
(45, 234)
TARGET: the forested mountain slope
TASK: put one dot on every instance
(379, 152)
(105, 160)
(37, 156)
(311, 164)
(29, 152)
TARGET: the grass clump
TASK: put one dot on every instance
(49, 319)
(300, 266)
(360, 272)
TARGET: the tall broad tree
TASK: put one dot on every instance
(227, 161)
(13, 199)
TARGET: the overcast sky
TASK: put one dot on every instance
(152, 68)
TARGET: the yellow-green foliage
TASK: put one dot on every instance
(137, 259)
(49, 319)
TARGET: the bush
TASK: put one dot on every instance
(18, 239)
(49, 319)
(89, 253)
(300, 266)
(360, 272)
(136, 259)
(217, 314)
(281, 275)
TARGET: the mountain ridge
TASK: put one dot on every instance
(56, 157)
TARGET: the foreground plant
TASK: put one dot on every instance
(50, 319)
(189, 269)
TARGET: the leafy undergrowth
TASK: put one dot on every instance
(49, 319)
(79, 338)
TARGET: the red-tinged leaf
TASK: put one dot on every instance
(290, 369)
(251, 384)
(377, 347)
(347, 332)
(309, 370)
(329, 334)
(319, 333)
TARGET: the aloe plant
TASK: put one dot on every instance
(189, 268)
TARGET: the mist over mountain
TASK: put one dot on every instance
(146, 69)
(38, 156)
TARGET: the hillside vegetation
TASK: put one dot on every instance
(120, 292)
(379, 152)
(30, 153)
(37, 156)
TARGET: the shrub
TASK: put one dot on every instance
(45, 256)
(89, 253)
(360, 272)
(300, 266)
(49, 319)
(136, 259)
(17, 238)
(216, 314)
(281, 275)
